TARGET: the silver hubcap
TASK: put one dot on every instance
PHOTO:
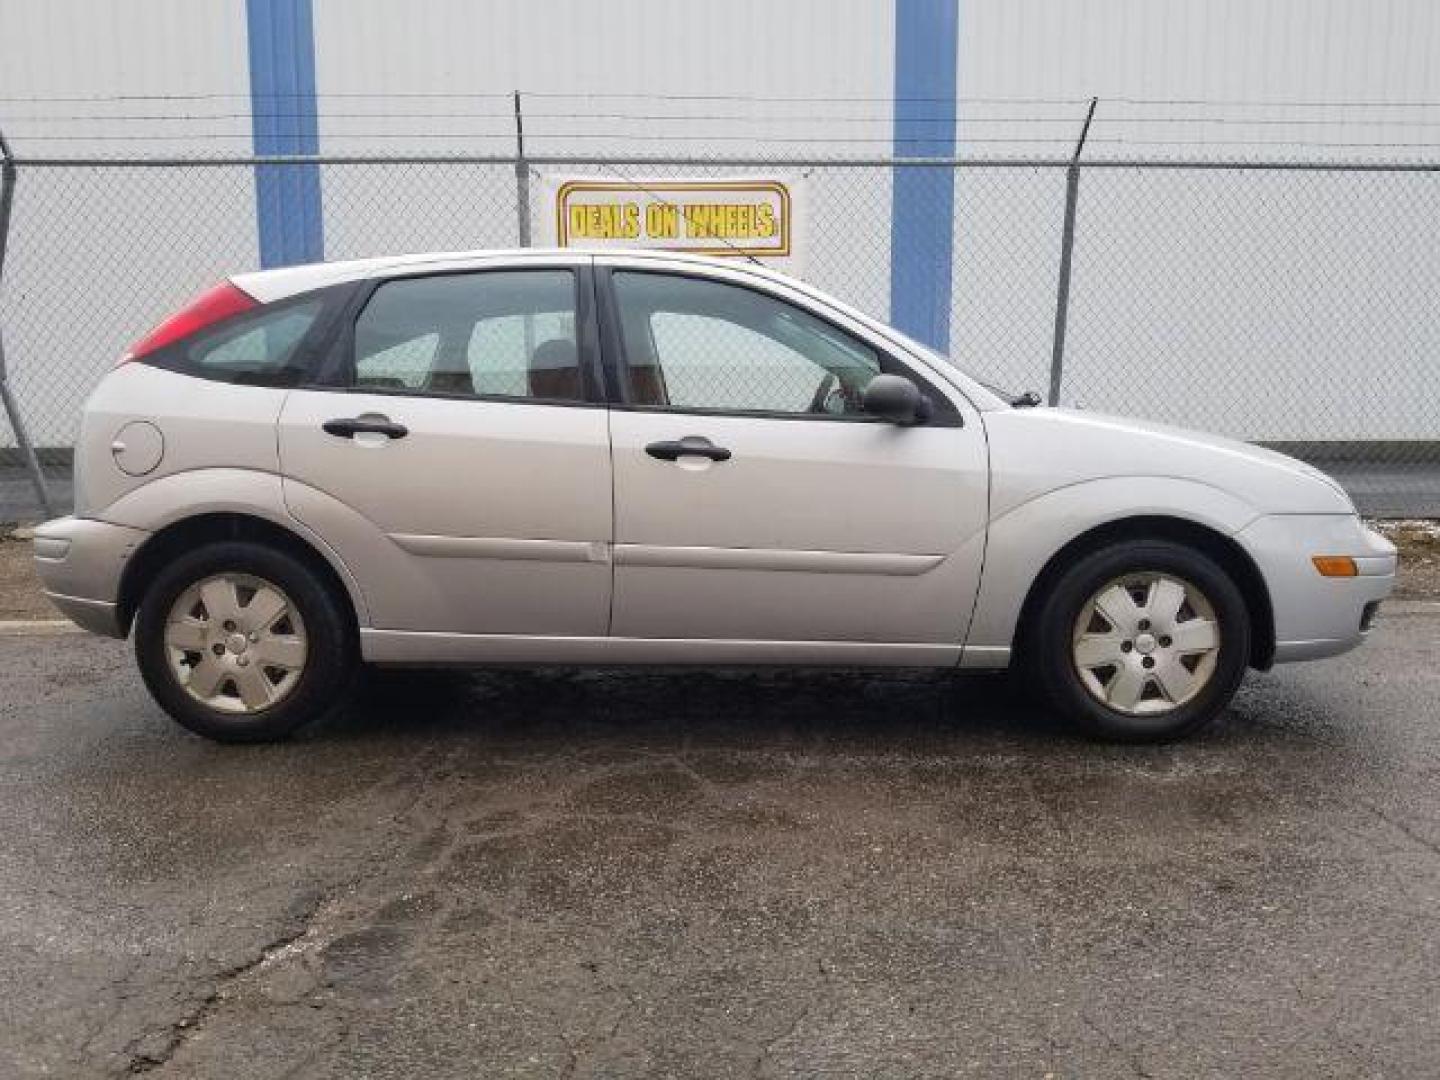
(235, 643)
(1146, 643)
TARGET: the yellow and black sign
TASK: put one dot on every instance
(710, 217)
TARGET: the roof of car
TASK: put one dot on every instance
(274, 284)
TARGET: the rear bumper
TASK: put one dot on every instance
(79, 563)
(1318, 616)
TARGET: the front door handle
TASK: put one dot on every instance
(350, 426)
(689, 446)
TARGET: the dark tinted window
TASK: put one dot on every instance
(258, 348)
(491, 334)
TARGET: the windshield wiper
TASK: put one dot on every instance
(1028, 400)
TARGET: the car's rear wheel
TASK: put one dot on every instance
(243, 642)
(1142, 641)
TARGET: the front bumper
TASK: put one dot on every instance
(79, 562)
(1317, 616)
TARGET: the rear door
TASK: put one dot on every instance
(792, 516)
(459, 460)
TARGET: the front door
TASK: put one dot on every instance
(754, 500)
(462, 468)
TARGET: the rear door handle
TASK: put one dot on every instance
(690, 445)
(350, 426)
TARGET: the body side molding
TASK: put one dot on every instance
(812, 562)
(500, 547)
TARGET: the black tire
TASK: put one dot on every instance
(330, 665)
(1050, 659)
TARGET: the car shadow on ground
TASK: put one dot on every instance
(539, 704)
(866, 712)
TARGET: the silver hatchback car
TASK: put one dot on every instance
(613, 458)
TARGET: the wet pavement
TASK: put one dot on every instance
(738, 875)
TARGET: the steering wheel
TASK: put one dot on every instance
(822, 393)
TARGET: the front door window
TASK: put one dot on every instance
(697, 345)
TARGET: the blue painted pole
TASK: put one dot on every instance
(922, 221)
(284, 121)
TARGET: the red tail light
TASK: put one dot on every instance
(209, 307)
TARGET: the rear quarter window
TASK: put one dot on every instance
(260, 348)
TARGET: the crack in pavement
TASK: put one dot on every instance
(347, 907)
(1399, 826)
(768, 1046)
(157, 1046)
(179, 1031)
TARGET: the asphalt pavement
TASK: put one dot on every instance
(610, 874)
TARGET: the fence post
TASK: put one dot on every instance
(12, 407)
(522, 177)
(1067, 248)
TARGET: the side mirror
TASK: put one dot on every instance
(896, 399)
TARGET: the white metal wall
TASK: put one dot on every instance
(735, 72)
(636, 77)
(1176, 55)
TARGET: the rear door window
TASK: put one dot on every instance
(486, 334)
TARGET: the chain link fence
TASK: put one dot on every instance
(1282, 303)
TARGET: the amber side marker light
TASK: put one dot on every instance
(1335, 565)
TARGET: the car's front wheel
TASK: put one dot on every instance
(1142, 641)
(243, 642)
